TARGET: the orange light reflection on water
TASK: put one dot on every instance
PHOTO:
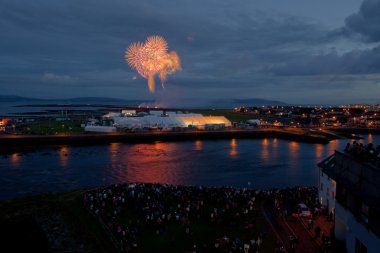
(15, 160)
(116, 167)
(114, 149)
(265, 150)
(275, 149)
(64, 156)
(198, 145)
(233, 151)
(294, 146)
(370, 138)
(115, 146)
(147, 163)
(275, 142)
(318, 151)
(332, 146)
(293, 155)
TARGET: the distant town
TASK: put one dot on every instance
(72, 118)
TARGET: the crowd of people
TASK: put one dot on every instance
(156, 206)
(364, 152)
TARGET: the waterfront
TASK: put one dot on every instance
(260, 163)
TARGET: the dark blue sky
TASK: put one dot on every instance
(297, 51)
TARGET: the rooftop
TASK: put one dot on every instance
(357, 168)
(368, 154)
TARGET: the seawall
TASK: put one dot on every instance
(17, 141)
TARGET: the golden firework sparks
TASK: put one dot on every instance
(152, 58)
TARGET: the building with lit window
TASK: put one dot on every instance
(327, 186)
(166, 120)
(169, 120)
(350, 184)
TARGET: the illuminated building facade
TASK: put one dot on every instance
(357, 200)
(327, 186)
(170, 120)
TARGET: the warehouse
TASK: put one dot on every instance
(171, 120)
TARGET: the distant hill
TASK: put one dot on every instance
(95, 99)
(256, 102)
(228, 103)
(10, 98)
(185, 103)
(104, 100)
(79, 100)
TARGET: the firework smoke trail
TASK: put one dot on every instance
(171, 64)
(152, 58)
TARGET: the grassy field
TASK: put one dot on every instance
(81, 225)
(53, 127)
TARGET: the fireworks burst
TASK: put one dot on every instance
(152, 58)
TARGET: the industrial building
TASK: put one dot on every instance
(166, 120)
(353, 196)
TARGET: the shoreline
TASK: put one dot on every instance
(17, 141)
(353, 130)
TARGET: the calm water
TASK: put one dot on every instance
(264, 163)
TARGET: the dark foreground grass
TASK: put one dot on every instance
(83, 227)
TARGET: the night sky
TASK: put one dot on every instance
(296, 51)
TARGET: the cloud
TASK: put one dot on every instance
(362, 57)
(226, 48)
(355, 62)
(64, 36)
(51, 77)
(366, 21)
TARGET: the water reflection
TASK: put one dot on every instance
(115, 147)
(293, 150)
(266, 162)
(233, 145)
(265, 150)
(114, 150)
(318, 151)
(293, 157)
(198, 145)
(149, 163)
(15, 160)
(274, 149)
(333, 145)
(116, 170)
(370, 138)
(64, 156)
